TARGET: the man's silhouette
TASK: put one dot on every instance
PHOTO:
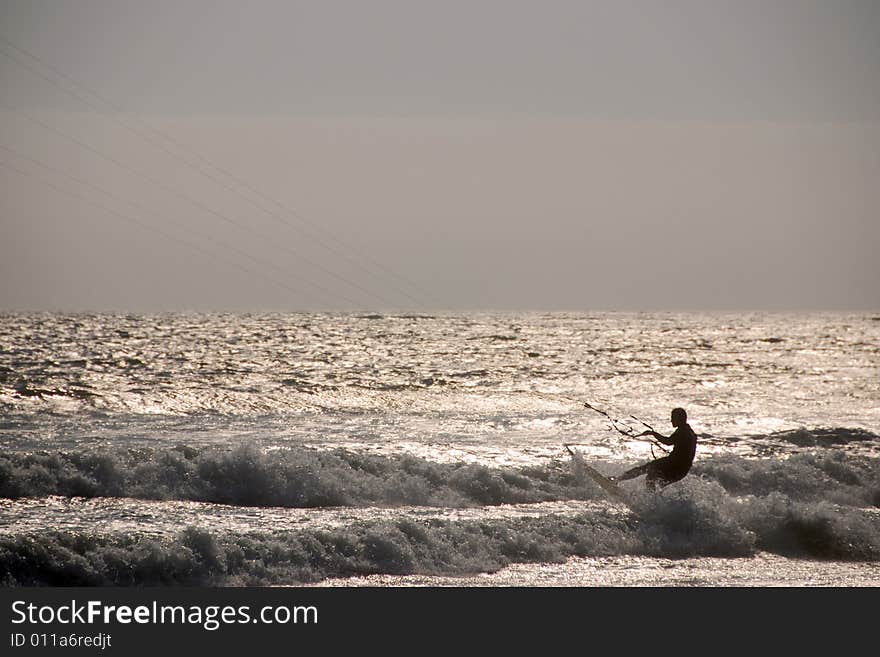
(670, 468)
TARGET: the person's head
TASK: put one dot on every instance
(679, 417)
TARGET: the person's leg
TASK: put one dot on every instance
(662, 473)
(666, 478)
(658, 474)
(632, 473)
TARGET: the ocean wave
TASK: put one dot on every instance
(824, 437)
(298, 477)
(702, 518)
(832, 476)
(699, 520)
(307, 477)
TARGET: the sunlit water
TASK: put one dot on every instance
(427, 450)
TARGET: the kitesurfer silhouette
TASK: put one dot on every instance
(675, 466)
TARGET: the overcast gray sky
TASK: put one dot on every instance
(439, 155)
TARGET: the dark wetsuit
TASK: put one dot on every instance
(673, 467)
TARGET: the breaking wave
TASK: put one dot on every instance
(698, 520)
(831, 476)
(299, 477)
(306, 477)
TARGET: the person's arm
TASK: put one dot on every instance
(663, 439)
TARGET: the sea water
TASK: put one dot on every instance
(398, 449)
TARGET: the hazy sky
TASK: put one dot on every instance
(498, 155)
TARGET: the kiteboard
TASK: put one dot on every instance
(611, 489)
